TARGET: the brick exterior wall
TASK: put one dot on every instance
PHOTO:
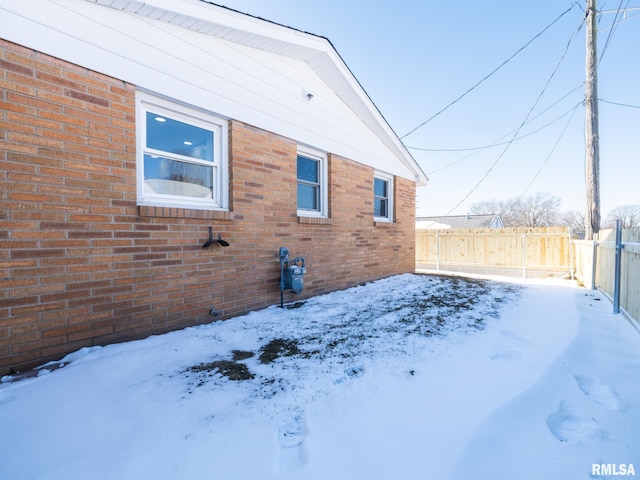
(81, 264)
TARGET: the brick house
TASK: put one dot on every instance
(130, 128)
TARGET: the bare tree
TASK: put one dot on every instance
(629, 215)
(574, 220)
(502, 208)
(540, 210)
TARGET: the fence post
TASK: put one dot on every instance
(594, 261)
(616, 282)
(437, 250)
(524, 256)
(571, 248)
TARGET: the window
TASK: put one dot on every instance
(312, 183)
(182, 156)
(382, 197)
(308, 184)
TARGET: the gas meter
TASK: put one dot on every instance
(294, 275)
(291, 274)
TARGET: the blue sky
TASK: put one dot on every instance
(416, 57)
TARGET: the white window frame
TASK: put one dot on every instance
(323, 172)
(220, 127)
(389, 179)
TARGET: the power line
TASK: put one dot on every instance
(505, 143)
(624, 18)
(614, 27)
(552, 150)
(491, 73)
(553, 74)
(495, 143)
(619, 104)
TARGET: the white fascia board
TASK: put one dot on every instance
(352, 93)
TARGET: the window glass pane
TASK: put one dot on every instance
(173, 136)
(308, 197)
(380, 207)
(170, 177)
(308, 169)
(380, 187)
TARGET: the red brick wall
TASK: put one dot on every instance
(81, 264)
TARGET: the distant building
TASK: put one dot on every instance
(459, 221)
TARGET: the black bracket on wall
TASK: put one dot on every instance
(211, 241)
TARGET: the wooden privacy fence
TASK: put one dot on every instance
(595, 267)
(504, 251)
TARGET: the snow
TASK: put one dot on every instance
(412, 377)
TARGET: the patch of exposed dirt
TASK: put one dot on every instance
(227, 368)
(239, 355)
(235, 370)
(278, 347)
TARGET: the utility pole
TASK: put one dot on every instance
(592, 160)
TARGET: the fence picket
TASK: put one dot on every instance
(537, 251)
(511, 250)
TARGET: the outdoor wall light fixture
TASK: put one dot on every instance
(211, 241)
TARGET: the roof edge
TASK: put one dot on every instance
(256, 32)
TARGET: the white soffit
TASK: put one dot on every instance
(220, 22)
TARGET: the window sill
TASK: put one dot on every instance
(178, 212)
(383, 223)
(314, 220)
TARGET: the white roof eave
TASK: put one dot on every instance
(244, 29)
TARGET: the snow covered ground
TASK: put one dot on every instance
(411, 377)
